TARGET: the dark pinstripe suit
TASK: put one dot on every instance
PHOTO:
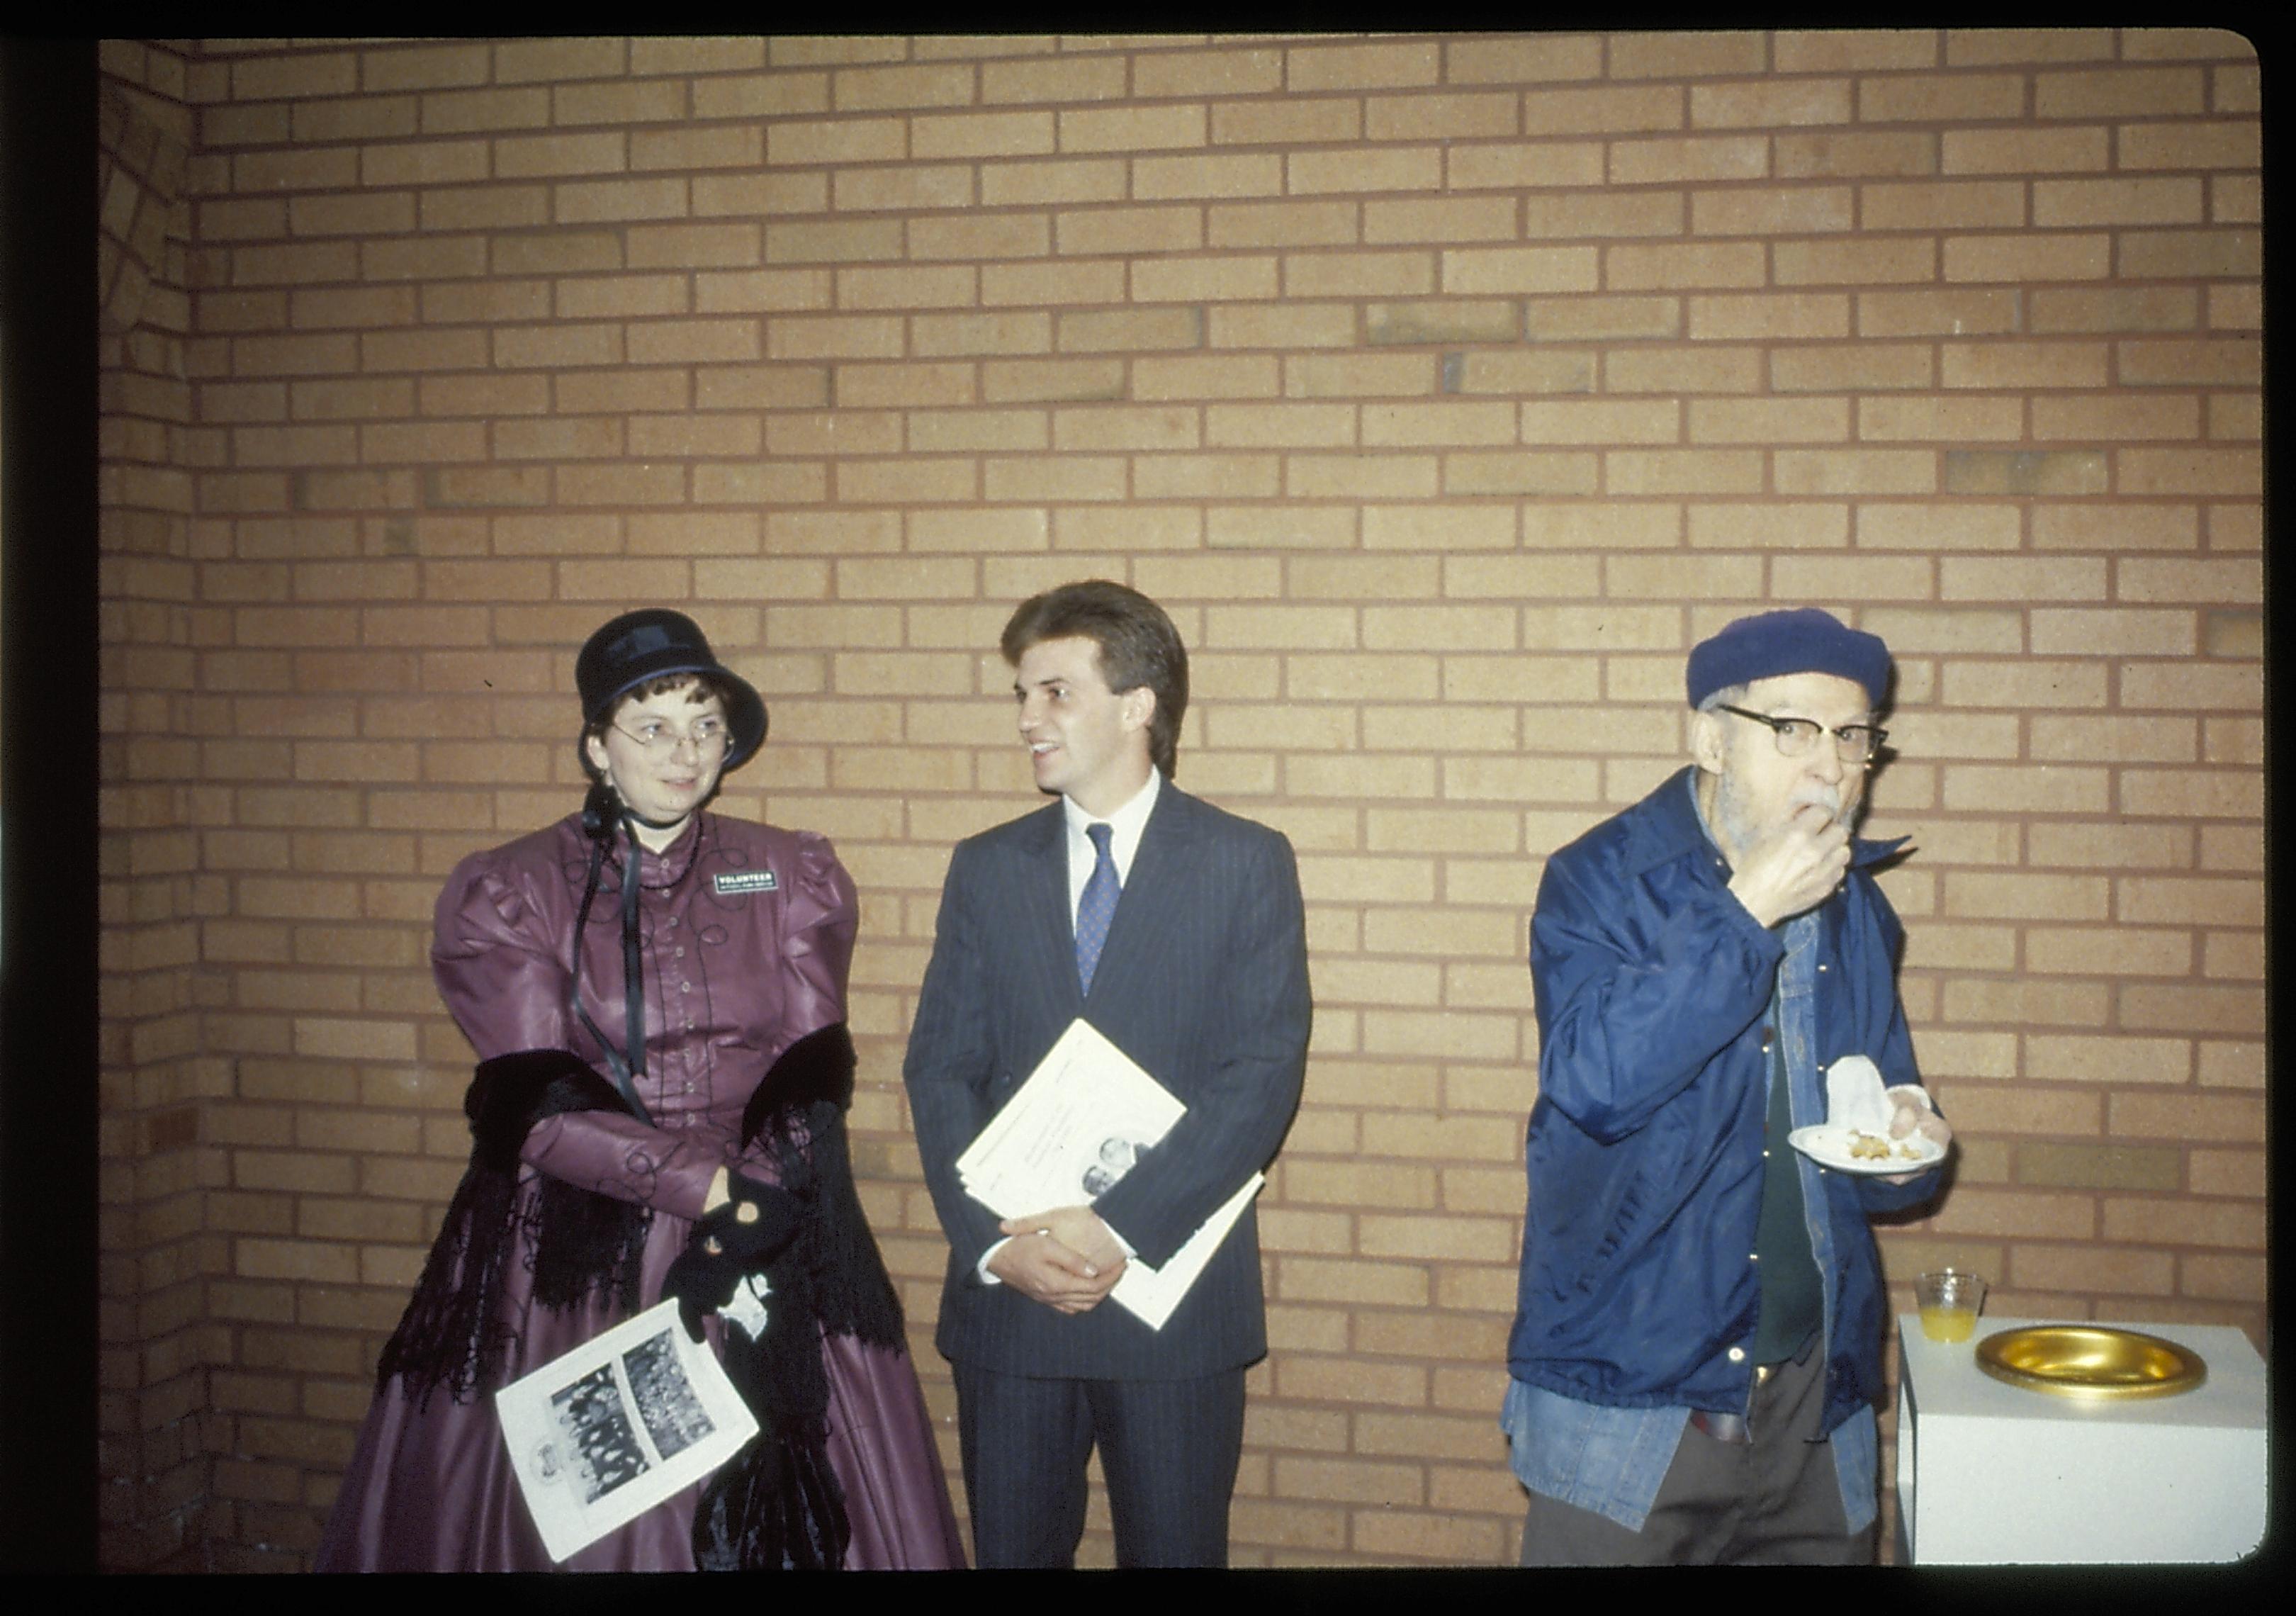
(1204, 982)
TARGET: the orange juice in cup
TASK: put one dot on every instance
(1941, 1324)
(1950, 1300)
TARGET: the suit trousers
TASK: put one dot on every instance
(1168, 1452)
(1771, 1501)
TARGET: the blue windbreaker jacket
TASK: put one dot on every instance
(1652, 985)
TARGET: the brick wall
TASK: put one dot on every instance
(160, 1244)
(1445, 390)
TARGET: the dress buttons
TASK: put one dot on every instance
(1737, 1355)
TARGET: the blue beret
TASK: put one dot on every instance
(1804, 640)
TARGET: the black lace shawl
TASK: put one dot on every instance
(776, 1503)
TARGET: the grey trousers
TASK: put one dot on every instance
(1772, 1501)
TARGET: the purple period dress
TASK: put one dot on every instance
(746, 932)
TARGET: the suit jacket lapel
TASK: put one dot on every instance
(1048, 924)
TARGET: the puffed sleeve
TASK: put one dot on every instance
(820, 918)
(503, 982)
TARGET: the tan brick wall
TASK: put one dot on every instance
(157, 1245)
(1445, 389)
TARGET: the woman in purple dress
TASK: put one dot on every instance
(656, 994)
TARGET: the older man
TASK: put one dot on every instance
(1697, 1343)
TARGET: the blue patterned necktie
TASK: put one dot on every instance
(1097, 907)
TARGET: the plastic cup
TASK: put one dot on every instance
(1950, 1300)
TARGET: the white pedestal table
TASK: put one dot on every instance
(1990, 1473)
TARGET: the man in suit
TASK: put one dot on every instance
(1176, 930)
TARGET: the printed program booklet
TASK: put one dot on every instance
(1070, 1132)
(625, 1421)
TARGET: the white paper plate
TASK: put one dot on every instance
(1828, 1146)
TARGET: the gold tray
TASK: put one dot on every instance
(2090, 1361)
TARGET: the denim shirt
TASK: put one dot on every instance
(1612, 1460)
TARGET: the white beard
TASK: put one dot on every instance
(1733, 822)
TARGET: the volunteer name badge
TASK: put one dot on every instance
(739, 884)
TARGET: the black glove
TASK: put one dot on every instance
(756, 1240)
(724, 1247)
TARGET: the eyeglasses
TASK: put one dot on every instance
(710, 736)
(1852, 742)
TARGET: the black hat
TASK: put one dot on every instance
(639, 646)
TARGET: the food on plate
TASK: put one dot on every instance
(1872, 1147)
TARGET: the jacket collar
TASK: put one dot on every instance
(1048, 825)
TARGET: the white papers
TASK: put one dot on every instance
(1855, 1095)
(1070, 1132)
(623, 1421)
